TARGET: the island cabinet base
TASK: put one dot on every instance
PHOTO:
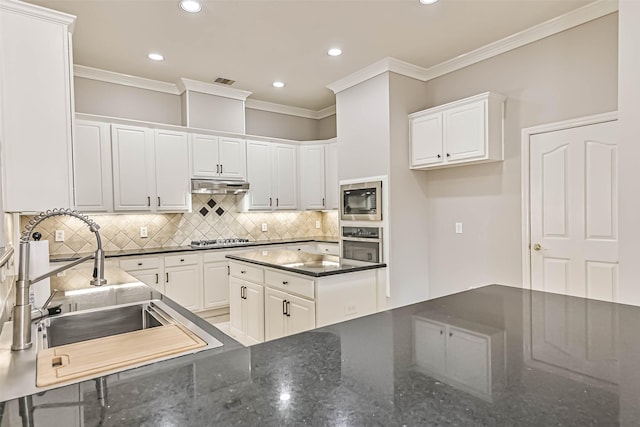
(346, 296)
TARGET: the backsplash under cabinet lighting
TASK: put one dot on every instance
(212, 217)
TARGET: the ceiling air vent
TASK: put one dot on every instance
(225, 81)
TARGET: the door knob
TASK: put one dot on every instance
(537, 247)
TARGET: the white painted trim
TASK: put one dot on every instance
(212, 89)
(124, 79)
(525, 202)
(545, 29)
(272, 107)
(39, 12)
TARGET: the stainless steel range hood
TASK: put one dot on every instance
(215, 186)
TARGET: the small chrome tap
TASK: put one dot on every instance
(22, 309)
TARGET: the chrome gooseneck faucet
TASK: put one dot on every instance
(22, 308)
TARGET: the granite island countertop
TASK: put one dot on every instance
(315, 265)
(564, 361)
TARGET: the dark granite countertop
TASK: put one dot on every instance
(173, 249)
(555, 361)
(315, 265)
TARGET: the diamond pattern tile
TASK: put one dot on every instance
(204, 211)
(211, 203)
(219, 211)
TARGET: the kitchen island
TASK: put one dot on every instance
(494, 356)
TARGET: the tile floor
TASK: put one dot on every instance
(222, 323)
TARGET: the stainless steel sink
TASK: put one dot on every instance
(83, 326)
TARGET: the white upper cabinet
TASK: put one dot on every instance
(312, 177)
(150, 169)
(218, 157)
(92, 167)
(273, 176)
(172, 171)
(461, 132)
(332, 188)
(36, 107)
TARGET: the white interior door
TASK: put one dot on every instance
(574, 211)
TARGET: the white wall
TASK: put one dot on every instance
(327, 127)
(109, 99)
(277, 125)
(629, 119)
(568, 75)
(214, 112)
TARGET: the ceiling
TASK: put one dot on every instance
(258, 42)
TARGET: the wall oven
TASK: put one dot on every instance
(361, 201)
(362, 244)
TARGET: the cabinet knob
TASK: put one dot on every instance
(441, 332)
(450, 334)
(448, 155)
(439, 156)
(285, 282)
(242, 271)
(181, 259)
(139, 263)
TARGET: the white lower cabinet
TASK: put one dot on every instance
(183, 280)
(246, 309)
(216, 284)
(471, 360)
(286, 314)
(149, 270)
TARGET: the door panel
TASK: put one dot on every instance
(254, 312)
(172, 170)
(426, 140)
(302, 315)
(274, 318)
(464, 131)
(133, 168)
(574, 208)
(204, 149)
(235, 304)
(429, 345)
(233, 158)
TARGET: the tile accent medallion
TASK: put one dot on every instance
(122, 231)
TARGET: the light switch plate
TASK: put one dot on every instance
(144, 232)
(59, 235)
(264, 226)
(317, 224)
(458, 228)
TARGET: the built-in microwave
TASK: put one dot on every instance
(362, 244)
(361, 201)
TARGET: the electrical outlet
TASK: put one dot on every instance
(317, 224)
(264, 226)
(144, 232)
(458, 228)
(59, 235)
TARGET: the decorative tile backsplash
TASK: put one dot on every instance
(212, 217)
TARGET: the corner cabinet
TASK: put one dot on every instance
(37, 107)
(273, 174)
(150, 169)
(461, 132)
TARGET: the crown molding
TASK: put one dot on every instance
(124, 79)
(212, 89)
(39, 12)
(272, 107)
(548, 28)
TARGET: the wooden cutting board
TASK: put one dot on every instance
(88, 358)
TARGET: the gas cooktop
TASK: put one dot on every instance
(216, 243)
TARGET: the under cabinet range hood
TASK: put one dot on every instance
(215, 186)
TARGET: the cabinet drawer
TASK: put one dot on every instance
(290, 284)
(246, 272)
(133, 264)
(176, 260)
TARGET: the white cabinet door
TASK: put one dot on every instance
(429, 345)
(253, 311)
(150, 278)
(259, 176)
(236, 290)
(36, 108)
(92, 167)
(464, 131)
(332, 188)
(426, 140)
(284, 176)
(133, 168)
(302, 315)
(183, 285)
(232, 153)
(312, 177)
(172, 171)
(204, 155)
(274, 314)
(468, 359)
(216, 284)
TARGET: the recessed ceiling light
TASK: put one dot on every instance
(334, 51)
(278, 84)
(428, 1)
(191, 6)
(156, 57)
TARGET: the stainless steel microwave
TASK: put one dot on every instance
(361, 201)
